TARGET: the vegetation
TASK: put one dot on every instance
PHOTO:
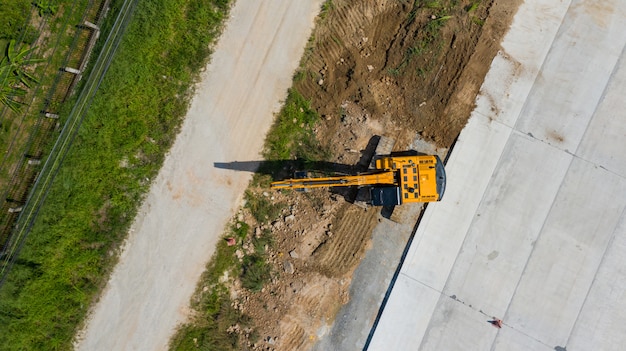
(211, 328)
(14, 76)
(46, 7)
(291, 136)
(132, 122)
(254, 272)
(261, 207)
(121, 144)
(13, 18)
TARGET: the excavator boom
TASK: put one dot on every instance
(385, 177)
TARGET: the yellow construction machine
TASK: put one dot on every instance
(393, 180)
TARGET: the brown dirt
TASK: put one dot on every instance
(384, 67)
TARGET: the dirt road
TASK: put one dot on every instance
(191, 201)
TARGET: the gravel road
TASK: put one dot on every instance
(191, 201)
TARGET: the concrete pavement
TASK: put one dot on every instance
(533, 224)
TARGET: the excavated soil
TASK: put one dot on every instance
(403, 69)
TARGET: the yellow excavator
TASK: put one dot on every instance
(394, 180)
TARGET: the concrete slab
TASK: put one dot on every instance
(574, 76)
(605, 139)
(507, 223)
(533, 218)
(402, 321)
(601, 320)
(567, 254)
(431, 256)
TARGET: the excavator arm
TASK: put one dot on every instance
(377, 178)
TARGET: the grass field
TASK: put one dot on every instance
(132, 122)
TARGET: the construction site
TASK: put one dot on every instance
(406, 72)
(454, 182)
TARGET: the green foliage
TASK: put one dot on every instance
(134, 117)
(263, 209)
(326, 7)
(241, 229)
(265, 240)
(254, 272)
(14, 76)
(472, 7)
(477, 21)
(13, 17)
(292, 137)
(209, 331)
(46, 7)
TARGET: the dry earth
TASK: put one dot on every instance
(402, 69)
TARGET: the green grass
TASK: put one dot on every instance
(215, 315)
(262, 208)
(254, 272)
(291, 136)
(472, 7)
(121, 144)
(13, 16)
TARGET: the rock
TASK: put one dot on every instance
(320, 82)
(296, 286)
(270, 340)
(288, 267)
(239, 254)
(291, 217)
(257, 232)
(370, 68)
(294, 254)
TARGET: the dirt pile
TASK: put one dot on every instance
(403, 69)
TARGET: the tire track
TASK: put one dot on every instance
(344, 249)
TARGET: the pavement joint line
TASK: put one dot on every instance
(452, 297)
(595, 276)
(614, 69)
(540, 68)
(493, 344)
(530, 255)
(574, 155)
(478, 310)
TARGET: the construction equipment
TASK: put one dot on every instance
(394, 180)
